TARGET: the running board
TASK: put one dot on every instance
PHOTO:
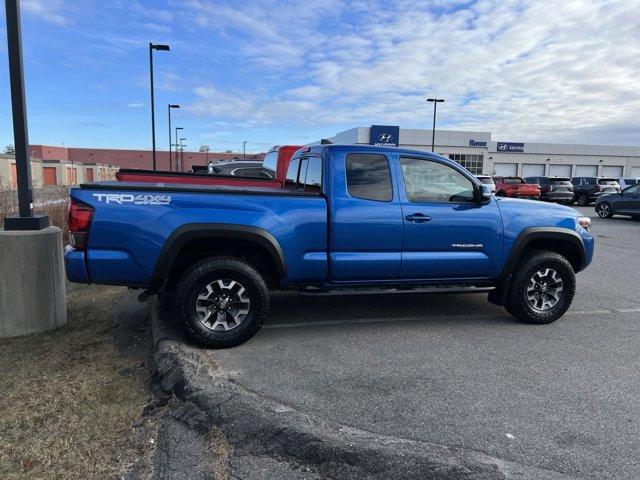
(337, 291)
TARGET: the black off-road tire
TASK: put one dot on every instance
(517, 303)
(195, 280)
(583, 200)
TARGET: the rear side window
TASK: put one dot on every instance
(532, 180)
(270, 161)
(368, 176)
(292, 173)
(313, 180)
(560, 181)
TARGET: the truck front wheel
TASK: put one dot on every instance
(222, 302)
(542, 289)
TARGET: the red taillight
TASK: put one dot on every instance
(80, 215)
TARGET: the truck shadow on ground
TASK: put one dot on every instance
(290, 309)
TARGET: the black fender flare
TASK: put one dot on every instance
(185, 233)
(524, 239)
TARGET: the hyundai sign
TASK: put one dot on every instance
(509, 147)
(384, 135)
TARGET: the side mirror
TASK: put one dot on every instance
(483, 194)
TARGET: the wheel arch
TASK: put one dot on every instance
(560, 240)
(230, 234)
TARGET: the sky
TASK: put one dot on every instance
(290, 72)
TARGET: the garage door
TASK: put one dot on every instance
(49, 176)
(635, 172)
(559, 170)
(505, 169)
(533, 170)
(586, 171)
(89, 174)
(611, 171)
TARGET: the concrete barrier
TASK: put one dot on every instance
(32, 283)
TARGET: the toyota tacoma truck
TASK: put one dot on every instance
(351, 218)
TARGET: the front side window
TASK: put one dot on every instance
(631, 190)
(428, 181)
(368, 176)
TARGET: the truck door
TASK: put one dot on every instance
(365, 219)
(447, 235)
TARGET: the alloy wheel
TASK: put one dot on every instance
(222, 305)
(544, 289)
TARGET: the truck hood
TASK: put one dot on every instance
(535, 208)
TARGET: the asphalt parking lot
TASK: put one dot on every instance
(456, 370)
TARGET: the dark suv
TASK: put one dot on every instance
(554, 189)
(626, 202)
(588, 189)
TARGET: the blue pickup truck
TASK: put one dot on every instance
(350, 217)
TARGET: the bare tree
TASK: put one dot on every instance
(10, 150)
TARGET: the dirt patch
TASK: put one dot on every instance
(71, 402)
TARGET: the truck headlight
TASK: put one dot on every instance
(584, 222)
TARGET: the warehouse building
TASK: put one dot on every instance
(480, 154)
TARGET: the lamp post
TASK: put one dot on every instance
(244, 150)
(169, 107)
(181, 165)
(25, 219)
(433, 131)
(153, 47)
(176, 145)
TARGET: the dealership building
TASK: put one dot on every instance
(480, 154)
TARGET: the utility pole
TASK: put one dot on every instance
(433, 131)
(25, 219)
(181, 167)
(153, 47)
(244, 150)
(169, 107)
(176, 144)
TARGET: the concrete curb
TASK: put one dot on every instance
(259, 426)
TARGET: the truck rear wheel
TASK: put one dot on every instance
(543, 288)
(222, 302)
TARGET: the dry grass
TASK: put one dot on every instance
(51, 201)
(69, 398)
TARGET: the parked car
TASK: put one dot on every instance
(626, 202)
(350, 218)
(554, 189)
(487, 180)
(627, 182)
(515, 187)
(274, 166)
(240, 169)
(587, 189)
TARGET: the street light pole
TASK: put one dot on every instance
(153, 47)
(433, 131)
(176, 144)
(169, 107)
(25, 220)
(244, 150)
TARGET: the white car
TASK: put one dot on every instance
(627, 182)
(487, 180)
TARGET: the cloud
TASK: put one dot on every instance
(51, 11)
(135, 104)
(530, 70)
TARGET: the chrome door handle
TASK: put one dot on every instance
(418, 218)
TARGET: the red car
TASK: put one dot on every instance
(276, 160)
(516, 187)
